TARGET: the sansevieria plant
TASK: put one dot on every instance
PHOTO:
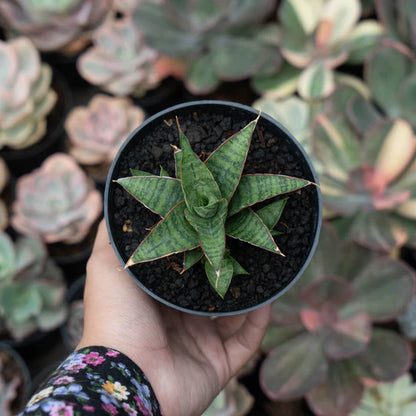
(206, 202)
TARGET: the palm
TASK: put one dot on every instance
(187, 358)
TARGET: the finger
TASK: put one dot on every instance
(244, 343)
(227, 326)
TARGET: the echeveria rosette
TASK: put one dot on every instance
(97, 131)
(120, 62)
(389, 399)
(26, 96)
(207, 201)
(390, 73)
(316, 37)
(321, 343)
(32, 288)
(54, 25)
(218, 41)
(56, 202)
(368, 181)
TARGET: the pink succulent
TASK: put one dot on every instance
(56, 202)
(53, 25)
(97, 131)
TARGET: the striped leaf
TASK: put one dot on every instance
(220, 282)
(199, 187)
(226, 163)
(192, 257)
(159, 194)
(211, 233)
(256, 188)
(270, 214)
(171, 235)
(247, 226)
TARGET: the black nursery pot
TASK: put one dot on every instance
(273, 150)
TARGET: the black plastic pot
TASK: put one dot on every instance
(25, 388)
(235, 115)
(23, 161)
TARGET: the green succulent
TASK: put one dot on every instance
(223, 40)
(368, 180)
(399, 20)
(389, 399)
(321, 342)
(32, 288)
(207, 201)
(390, 73)
(317, 36)
(233, 400)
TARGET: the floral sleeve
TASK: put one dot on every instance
(96, 381)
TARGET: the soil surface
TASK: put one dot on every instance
(268, 273)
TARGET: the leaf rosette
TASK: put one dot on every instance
(206, 202)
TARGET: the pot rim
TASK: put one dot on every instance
(244, 108)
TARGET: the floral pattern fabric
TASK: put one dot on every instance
(95, 381)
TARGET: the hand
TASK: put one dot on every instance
(187, 358)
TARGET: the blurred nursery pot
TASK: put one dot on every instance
(246, 276)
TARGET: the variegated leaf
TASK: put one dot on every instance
(192, 257)
(257, 188)
(159, 194)
(171, 235)
(271, 213)
(226, 163)
(220, 281)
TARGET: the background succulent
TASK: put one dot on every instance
(316, 37)
(221, 40)
(369, 180)
(26, 96)
(54, 25)
(119, 61)
(97, 131)
(32, 288)
(56, 202)
(390, 73)
(398, 18)
(321, 342)
(233, 400)
(206, 202)
(389, 399)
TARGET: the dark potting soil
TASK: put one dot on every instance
(268, 273)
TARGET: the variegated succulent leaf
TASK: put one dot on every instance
(206, 201)
(330, 317)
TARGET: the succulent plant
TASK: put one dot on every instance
(97, 131)
(26, 96)
(316, 37)
(390, 73)
(398, 17)
(120, 62)
(370, 180)
(207, 201)
(233, 400)
(223, 40)
(407, 320)
(53, 25)
(126, 7)
(32, 288)
(321, 343)
(56, 202)
(389, 399)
